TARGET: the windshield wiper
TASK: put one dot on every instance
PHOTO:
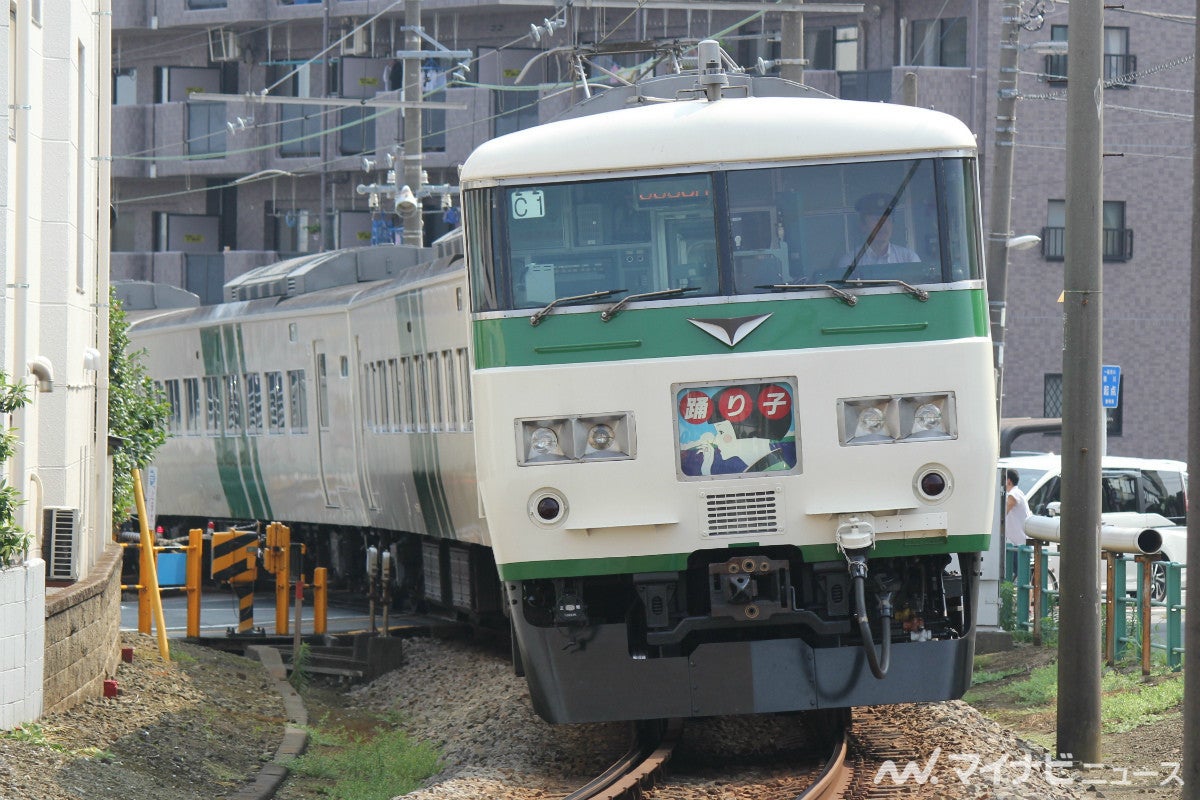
(841, 294)
(610, 312)
(539, 315)
(915, 291)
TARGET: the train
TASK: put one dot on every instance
(699, 402)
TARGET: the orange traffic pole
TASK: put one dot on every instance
(149, 577)
(195, 555)
(320, 600)
(144, 555)
(283, 546)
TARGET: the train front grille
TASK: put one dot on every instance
(755, 512)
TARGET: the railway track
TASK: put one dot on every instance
(639, 770)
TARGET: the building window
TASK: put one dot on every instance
(1118, 239)
(1052, 403)
(1052, 395)
(833, 48)
(124, 88)
(1118, 62)
(938, 42)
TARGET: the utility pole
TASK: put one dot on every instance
(1191, 620)
(323, 223)
(413, 221)
(1079, 644)
(791, 44)
(999, 212)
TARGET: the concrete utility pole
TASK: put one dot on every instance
(1000, 210)
(323, 232)
(791, 43)
(1191, 622)
(413, 222)
(1079, 644)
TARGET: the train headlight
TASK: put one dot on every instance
(929, 416)
(897, 418)
(601, 437)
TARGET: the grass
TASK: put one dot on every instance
(1128, 700)
(366, 766)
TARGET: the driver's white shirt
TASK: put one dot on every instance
(895, 254)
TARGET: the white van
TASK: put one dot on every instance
(1131, 486)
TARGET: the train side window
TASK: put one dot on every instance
(409, 393)
(276, 420)
(452, 421)
(254, 416)
(436, 416)
(233, 405)
(174, 422)
(322, 392)
(214, 418)
(368, 397)
(464, 373)
(393, 392)
(191, 407)
(297, 401)
(385, 409)
(422, 393)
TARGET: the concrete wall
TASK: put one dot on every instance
(22, 641)
(83, 628)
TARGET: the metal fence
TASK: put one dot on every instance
(1127, 617)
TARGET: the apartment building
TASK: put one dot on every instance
(60, 600)
(205, 190)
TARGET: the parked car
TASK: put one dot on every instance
(1136, 492)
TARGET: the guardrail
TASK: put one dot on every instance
(1127, 617)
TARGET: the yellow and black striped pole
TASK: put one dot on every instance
(233, 562)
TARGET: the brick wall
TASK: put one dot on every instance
(83, 628)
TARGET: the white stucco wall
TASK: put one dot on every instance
(22, 642)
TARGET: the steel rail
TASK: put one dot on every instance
(639, 768)
(834, 778)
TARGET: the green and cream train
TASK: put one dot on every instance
(707, 410)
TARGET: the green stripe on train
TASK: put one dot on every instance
(564, 337)
(677, 562)
(425, 460)
(237, 458)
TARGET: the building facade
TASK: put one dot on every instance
(206, 189)
(54, 338)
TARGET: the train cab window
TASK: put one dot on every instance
(628, 236)
(896, 220)
(214, 417)
(191, 406)
(297, 401)
(276, 420)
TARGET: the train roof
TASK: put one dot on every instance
(335, 298)
(690, 132)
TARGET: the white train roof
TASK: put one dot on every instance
(697, 132)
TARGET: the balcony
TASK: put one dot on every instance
(1118, 244)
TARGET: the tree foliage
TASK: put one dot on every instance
(14, 540)
(137, 412)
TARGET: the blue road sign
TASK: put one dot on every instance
(1110, 385)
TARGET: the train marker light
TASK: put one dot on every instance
(933, 483)
(547, 507)
(600, 437)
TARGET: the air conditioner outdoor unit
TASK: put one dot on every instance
(58, 542)
(356, 43)
(223, 45)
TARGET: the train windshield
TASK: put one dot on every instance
(751, 231)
